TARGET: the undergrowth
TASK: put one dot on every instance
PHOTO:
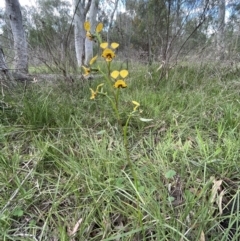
(64, 176)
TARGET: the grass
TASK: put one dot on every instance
(63, 168)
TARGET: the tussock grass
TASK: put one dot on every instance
(63, 165)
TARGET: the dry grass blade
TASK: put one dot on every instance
(75, 229)
(216, 187)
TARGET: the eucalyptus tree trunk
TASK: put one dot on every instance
(14, 14)
(80, 11)
(92, 18)
(220, 32)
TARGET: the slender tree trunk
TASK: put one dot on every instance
(93, 20)
(6, 79)
(111, 19)
(80, 12)
(221, 26)
(20, 43)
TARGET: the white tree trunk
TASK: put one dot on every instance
(80, 10)
(13, 11)
(92, 18)
(220, 32)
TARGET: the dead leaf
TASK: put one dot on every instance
(202, 236)
(219, 201)
(176, 191)
(75, 229)
(216, 187)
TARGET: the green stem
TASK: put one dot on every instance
(114, 107)
(109, 69)
(134, 174)
(99, 38)
(115, 95)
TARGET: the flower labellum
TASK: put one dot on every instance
(120, 84)
(108, 54)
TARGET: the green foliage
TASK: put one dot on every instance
(63, 166)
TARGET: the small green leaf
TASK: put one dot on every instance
(18, 212)
(119, 182)
(170, 174)
(141, 189)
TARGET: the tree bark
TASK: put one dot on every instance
(13, 11)
(80, 12)
(93, 20)
(6, 79)
(220, 32)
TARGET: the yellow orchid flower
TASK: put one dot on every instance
(95, 92)
(108, 53)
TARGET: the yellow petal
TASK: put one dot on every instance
(135, 103)
(93, 94)
(114, 45)
(93, 60)
(86, 71)
(87, 26)
(104, 45)
(124, 73)
(84, 68)
(89, 36)
(99, 27)
(115, 74)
